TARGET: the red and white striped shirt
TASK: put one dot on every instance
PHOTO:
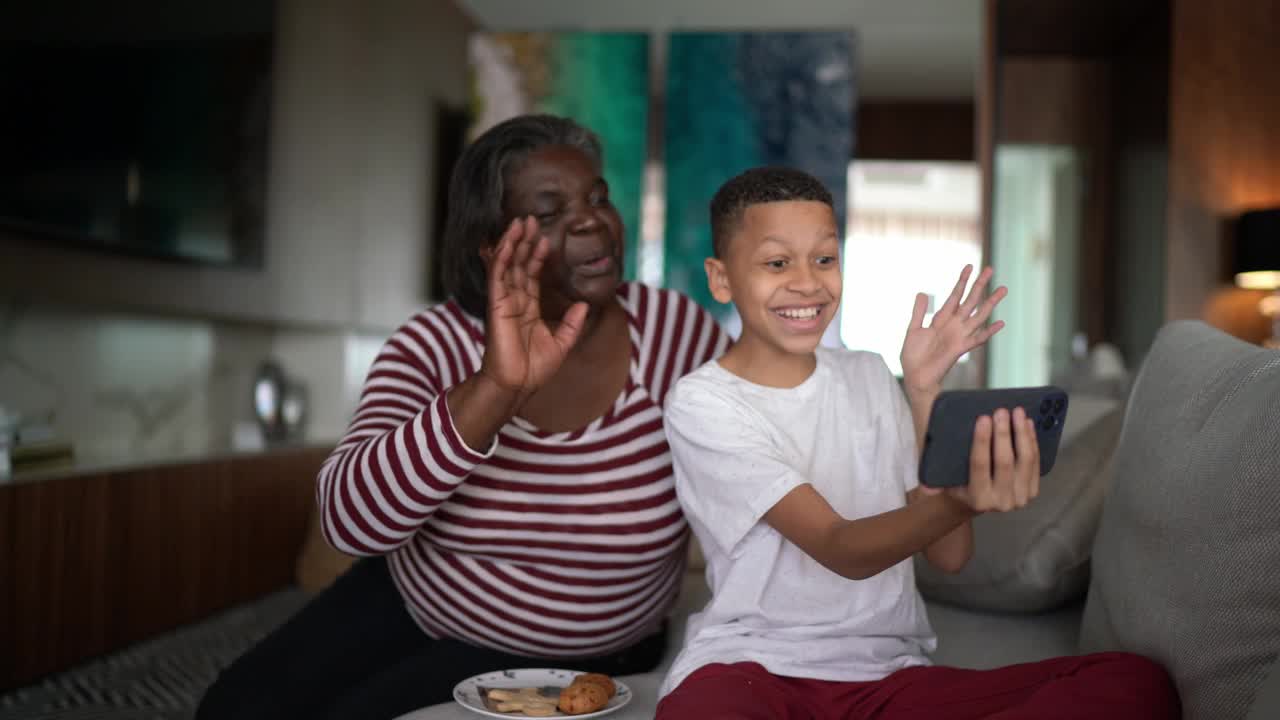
(551, 545)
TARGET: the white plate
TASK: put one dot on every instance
(467, 692)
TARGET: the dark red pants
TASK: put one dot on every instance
(1101, 686)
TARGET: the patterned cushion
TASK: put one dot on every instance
(161, 679)
(1186, 565)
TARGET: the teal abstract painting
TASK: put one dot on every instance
(739, 100)
(599, 79)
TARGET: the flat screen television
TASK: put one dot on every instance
(150, 143)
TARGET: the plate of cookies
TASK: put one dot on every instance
(541, 692)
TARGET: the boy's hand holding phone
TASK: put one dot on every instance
(1004, 461)
(1004, 464)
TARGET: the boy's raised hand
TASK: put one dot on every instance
(959, 326)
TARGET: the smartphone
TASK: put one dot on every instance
(948, 441)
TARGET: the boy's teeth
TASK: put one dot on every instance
(801, 314)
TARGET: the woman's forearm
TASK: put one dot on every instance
(480, 407)
(407, 449)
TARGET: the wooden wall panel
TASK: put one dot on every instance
(62, 573)
(987, 97)
(1135, 259)
(1224, 150)
(915, 130)
(1078, 28)
(1058, 101)
(1066, 101)
(93, 563)
(8, 589)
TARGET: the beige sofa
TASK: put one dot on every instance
(1157, 532)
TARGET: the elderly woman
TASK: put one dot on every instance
(506, 472)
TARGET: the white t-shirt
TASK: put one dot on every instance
(738, 448)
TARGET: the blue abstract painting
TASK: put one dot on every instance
(739, 100)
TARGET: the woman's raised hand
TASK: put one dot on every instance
(523, 351)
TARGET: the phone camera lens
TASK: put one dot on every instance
(1045, 405)
(1058, 404)
(1048, 422)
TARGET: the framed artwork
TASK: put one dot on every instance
(727, 101)
(738, 100)
(600, 79)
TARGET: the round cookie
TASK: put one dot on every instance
(600, 679)
(582, 698)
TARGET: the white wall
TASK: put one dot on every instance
(350, 182)
(354, 201)
(136, 360)
(125, 388)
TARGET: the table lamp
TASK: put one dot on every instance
(1258, 262)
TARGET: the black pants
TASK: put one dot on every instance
(354, 652)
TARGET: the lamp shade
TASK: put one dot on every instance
(1258, 250)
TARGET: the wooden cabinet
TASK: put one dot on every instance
(94, 562)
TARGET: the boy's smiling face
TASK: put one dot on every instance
(781, 269)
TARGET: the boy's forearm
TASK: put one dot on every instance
(859, 549)
(951, 552)
(921, 402)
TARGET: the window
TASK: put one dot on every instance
(912, 227)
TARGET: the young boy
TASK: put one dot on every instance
(796, 467)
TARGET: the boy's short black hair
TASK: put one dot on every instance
(756, 186)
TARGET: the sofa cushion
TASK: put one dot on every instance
(1037, 558)
(1266, 701)
(1186, 557)
(318, 564)
(980, 640)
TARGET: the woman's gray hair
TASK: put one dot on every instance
(475, 217)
